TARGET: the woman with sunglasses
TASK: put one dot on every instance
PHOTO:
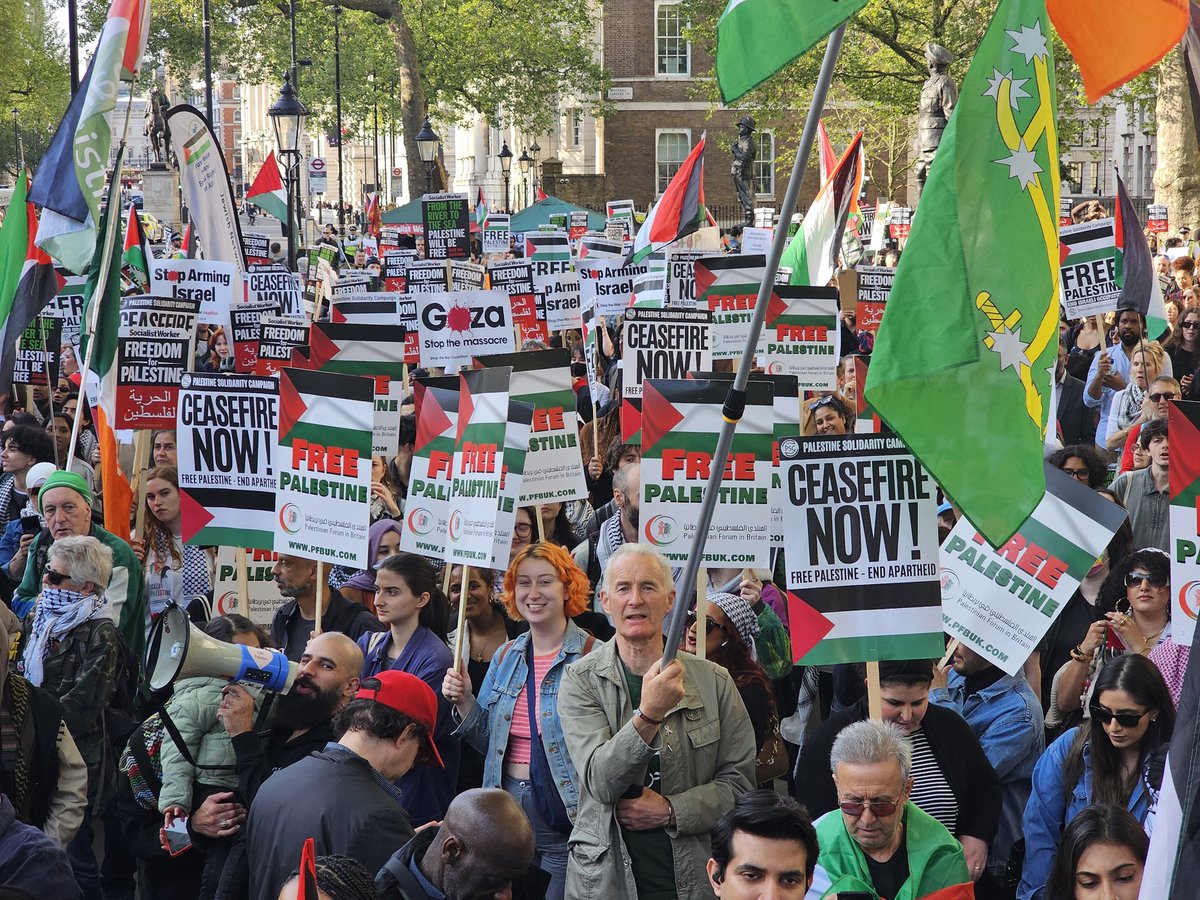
(1102, 855)
(1155, 405)
(1183, 346)
(730, 629)
(516, 723)
(1109, 759)
(1135, 602)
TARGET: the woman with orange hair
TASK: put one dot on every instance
(515, 721)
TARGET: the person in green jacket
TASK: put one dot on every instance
(878, 841)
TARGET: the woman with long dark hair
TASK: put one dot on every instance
(173, 570)
(1115, 757)
(1102, 855)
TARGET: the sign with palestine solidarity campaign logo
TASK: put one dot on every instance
(427, 509)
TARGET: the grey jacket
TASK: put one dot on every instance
(707, 759)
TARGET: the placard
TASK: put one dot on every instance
(496, 235)
(209, 282)
(151, 361)
(559, 300)
(427, 276)
(757, 241)
(1156, 218)
(431, 472)
(802, 335)
(514, 459)
(67, 305)
(727, 286)
(900, 222)
(1064, 213)
(454, 326)
(394, 267)
(601, 246)
(475, 491)
(263, 599)
(1183, 420)
(466, 275)
(681, 277)
(874, 288)
(548, 252)
(660, 344)
(1088, 273)
(275, 284)
(622, 211)
(278, 337)
(607, 285)
(381, 308)
(257, 248)
(447, 222)
(245, 329)
(38, 353)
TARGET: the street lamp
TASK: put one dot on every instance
(287, 116)
(525, 161)
(535, 151)
(427, 145)
(506, 157)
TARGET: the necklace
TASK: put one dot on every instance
(488, 645)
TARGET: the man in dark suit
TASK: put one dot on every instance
(1076, 423)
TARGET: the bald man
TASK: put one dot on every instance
(328, 680)
(484, 844)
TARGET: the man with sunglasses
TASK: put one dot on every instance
(1144, 492)
(877, 840)
(1163, 390)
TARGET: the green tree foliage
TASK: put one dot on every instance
(33, 81)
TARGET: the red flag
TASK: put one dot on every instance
(307, 887)
(541, 195)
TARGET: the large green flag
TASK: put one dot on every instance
(963, 362)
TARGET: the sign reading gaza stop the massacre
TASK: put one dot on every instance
(447, 222)
(1000, 602)
(1088, 275)
(154, 345)
(455, 325)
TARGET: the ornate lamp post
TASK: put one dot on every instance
(287, 115)
(506, 157)
(428, 143)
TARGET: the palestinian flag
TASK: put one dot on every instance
(547, 246)
(541, 195)
(481, 209)
(364, 309)
(327, 409)
(1140, 289)
(267, 191)
(678, 212)
(427, 509)
(482, 420)
(358, 349)
(826, 157)
(190, 250)
(812, 253)
(1183, 419)
(137, 254)
(27, 277)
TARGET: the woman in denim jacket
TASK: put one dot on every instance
(544, 587)
(1116, 757)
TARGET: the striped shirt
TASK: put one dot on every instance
(931, 792)
(519, 735)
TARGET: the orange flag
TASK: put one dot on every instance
(1116, 40)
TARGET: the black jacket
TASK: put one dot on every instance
(954, 746)
(1076, 421)
(350, 618)
(331, 796)
(395, 882)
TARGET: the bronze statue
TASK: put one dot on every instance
(744, 150)
(938, 96)
(156, 127)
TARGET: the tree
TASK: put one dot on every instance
(33, 81)
(506, 60)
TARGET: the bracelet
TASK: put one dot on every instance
(1079, 656)
(638, 712)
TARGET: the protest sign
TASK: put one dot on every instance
(558, 222)
(427, 276)
(154, 344)
(1064, 212)
(553, 468)
(246, 329)
(447, 222)
(513, 276)
(395, 265)
(211, 283)
(756, 240)
(600, 246)
(67, 305)
(478, 465)
(874, 288)
(591, 336)
(616, 230)
(622, 211)
(802, 335)
(275, 284)
(38, 353)
(866, 225)
(257, 248)
(548, 252)
(431, 472)
(323, 501)
(389, 238)
(900, 222)
(559, 300)
(225, 437)
(1183, 420)
(659, 343)
(496, 235)
(454, 326)
(278, 337)
(1088, 272)
(681, 277)
(263, 598)
(1156, 218)
(380, 308)
(728, 287)
(650, 289)
(881, 228)
(1001, 601)
(862, 551)
(465, 275)
(607, 286)
(680, 423)
(514, 459)
(351, 283)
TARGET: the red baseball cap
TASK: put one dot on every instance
(409, 695)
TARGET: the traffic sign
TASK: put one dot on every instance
(318, 178)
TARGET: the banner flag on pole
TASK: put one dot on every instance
(137, 253)
(267, 190)
(678, 212)
(961, 362)
(812, 253)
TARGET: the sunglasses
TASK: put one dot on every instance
(1192, 324)
(1078, 474)
(879, 808)
(56, 578)
(1125, 720)
(817, 404)
(709, 625)
(1166, 395)
(1135, 579)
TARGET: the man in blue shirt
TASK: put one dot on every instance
(1110, 369)
(1006, 716)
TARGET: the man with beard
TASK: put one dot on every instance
(592, 555)
(295, 621)
(301, 724)
(1110, 370)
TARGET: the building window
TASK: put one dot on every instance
(576, 126)
(673, 52)
(672, 149)
(1075, 177)
(764, 164)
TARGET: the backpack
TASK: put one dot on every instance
(141, 762)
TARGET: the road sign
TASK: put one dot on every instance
(318, 178)
(396, 172)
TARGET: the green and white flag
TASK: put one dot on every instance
(478, 465)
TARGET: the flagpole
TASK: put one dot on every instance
(735, 401)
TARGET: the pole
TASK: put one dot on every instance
(337, 94)
(735, 402)
(73, 43)
(292, 224)
(206, 15)
(295, 66)
(375, 108)
(507, 195)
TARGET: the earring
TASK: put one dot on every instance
(1128, 610)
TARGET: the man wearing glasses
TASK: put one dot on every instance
(1144, 492)
(878, 841)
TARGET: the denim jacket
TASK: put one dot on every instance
(487, 726)
(1006, 716)
(1049, 810)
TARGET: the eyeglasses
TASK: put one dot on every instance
(1125, 720)
(1134, 579)
(709, 625)
(524, 530)
(1165, 395)
(1078, 474)
(56, 578)
(820, 401)
(879, 808)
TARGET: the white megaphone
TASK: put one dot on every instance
(178, 649)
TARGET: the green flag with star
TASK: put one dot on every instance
(964, 357)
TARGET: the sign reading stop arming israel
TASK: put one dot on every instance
(1001, 602)
(680, 424)
(1088, 276)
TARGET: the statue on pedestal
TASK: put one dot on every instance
(156, 127)
(938, 96)
(744, 150)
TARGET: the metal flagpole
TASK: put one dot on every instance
(735, 401)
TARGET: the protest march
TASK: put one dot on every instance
(623, 553)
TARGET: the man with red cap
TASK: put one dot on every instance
(343, 796)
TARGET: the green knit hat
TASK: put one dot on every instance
(67, 480)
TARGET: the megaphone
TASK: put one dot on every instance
(178, 649)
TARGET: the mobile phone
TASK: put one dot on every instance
(30, 524)
(178, 839)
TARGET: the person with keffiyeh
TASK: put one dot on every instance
(72, 651)
(172, 569)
